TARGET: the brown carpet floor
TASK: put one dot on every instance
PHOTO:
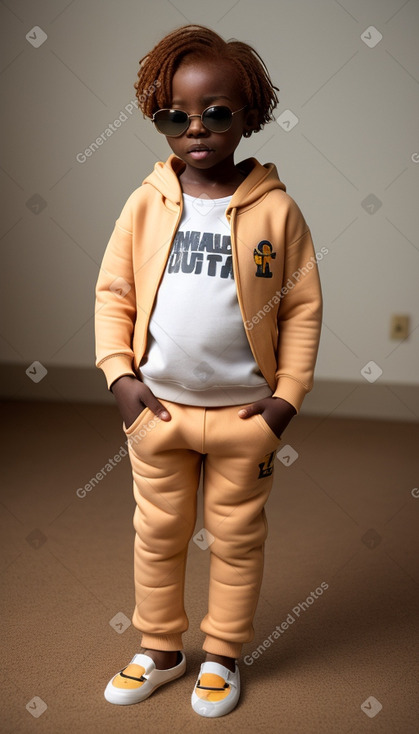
(342, 514)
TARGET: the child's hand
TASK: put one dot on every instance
(276, 412)
(132, 396)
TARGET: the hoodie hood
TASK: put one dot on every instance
(260, 179)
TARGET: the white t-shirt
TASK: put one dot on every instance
(197, 348)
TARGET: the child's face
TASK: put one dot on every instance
(196, 85)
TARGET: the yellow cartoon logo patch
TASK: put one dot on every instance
(262, 255)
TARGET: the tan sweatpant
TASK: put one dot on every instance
(238, 457)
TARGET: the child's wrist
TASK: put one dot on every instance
(121, 382)
(286, 406)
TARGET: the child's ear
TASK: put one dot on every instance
(251, 122)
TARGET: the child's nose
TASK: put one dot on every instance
(196, 126)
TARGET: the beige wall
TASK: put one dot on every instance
(356, 137)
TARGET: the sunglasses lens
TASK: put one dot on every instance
(171, 122)
(217, 119)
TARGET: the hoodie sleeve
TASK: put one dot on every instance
(115, 308)
(299, 314)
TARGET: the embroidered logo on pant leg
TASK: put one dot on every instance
(267, 466)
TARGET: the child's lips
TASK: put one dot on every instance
(199, 153)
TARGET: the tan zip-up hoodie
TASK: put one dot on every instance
(274, 266)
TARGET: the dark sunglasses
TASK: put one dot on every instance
(217, 119)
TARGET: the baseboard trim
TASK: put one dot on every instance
(378, 400)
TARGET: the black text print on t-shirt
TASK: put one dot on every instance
(201, 252)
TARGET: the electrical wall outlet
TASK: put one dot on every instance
(399, 326)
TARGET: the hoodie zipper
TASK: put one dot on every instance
(237, 281)
(174, 230)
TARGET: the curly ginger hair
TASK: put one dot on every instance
(157, 68)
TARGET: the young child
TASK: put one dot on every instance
(208, 317)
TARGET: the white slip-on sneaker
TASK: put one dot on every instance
(138, 680)
(217, 690)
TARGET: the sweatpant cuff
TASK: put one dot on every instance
(168, 643)
(222, 647)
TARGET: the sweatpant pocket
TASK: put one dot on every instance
(137, 423)
(267, 429)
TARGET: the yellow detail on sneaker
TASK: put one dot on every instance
(133, 670)
(211, 680)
